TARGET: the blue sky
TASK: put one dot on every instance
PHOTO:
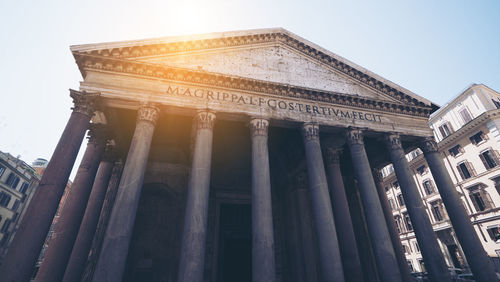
(434, 48)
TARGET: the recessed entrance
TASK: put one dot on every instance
(234, 261)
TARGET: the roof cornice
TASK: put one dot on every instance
(112, 64)
(166, 46)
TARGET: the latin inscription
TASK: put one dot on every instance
(274, 104)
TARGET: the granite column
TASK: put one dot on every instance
(383, 250)
(477, 258)
(345, 231)
(330, 259)
(391, 226)
(191, 265)
(111, 262)
(27, 244)
(83, 242)
(66, 229)
(427, 239)
(263, 264)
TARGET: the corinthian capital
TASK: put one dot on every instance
(354, 136)
(204, 119)
(98, 133)
(377, 174)
(148, 112)
(310, 131)
(84, 102)
(393, 141)
(333, 155)
(429, 145)
(258, 127)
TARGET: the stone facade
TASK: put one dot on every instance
(222, 137)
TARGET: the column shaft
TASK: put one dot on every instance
(477, 258)
(111, 263)
(345, 231)
(427, 240)
(27, 244)
(191, 263)
(66, 230)
(391, 226)
(263, 264)
(385, 257)
(83, 242)
(330, 260)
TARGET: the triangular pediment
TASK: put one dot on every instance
(275, 63)
(268, 55)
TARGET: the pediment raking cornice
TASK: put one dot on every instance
(105, 63)
(279, 36)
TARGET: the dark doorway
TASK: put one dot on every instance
(234, 262)
(453, 250)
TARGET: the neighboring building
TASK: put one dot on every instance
(18, 183)
(468, 133)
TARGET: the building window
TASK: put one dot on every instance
(24, 187)
(422, 265)
(445, 129)
(5, 226)
(391, 204)
(4, 199)
(497, 104)
(465, 114)
(410, 265)
(437, 211)
(428, 187)
(477, 138)
(15, 205)
(456, 150)
(422, 170)
(401, 200)
(12, 180)
(466, 170)
(489, 159)
(494, 233)
(398, 224)
(2, 169)
(395, 184)
(480, 199)
(417, 247)
(408, 225)
(496, 179)
(386, 189)
(405, 247)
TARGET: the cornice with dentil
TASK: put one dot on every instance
(186, 46)
(219, 80)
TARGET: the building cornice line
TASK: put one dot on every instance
(112, 64)
(274, 36)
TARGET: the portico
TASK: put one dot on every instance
(247, 155)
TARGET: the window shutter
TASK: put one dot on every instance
(487, 199)
(485, 137)
(484, 161)
(495, 155)
(474, 202)
(460, 171)
(470, 168)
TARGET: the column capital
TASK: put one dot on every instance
(204, 119)
(393, 141)
(354, 135)
(310, 131)
(429, 145)
(333, 154)
(148, 112)
(259, 127)
(98, 133)
(377, 175)
(84, 102)
(111, 154)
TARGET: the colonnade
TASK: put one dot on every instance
(335, 235)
